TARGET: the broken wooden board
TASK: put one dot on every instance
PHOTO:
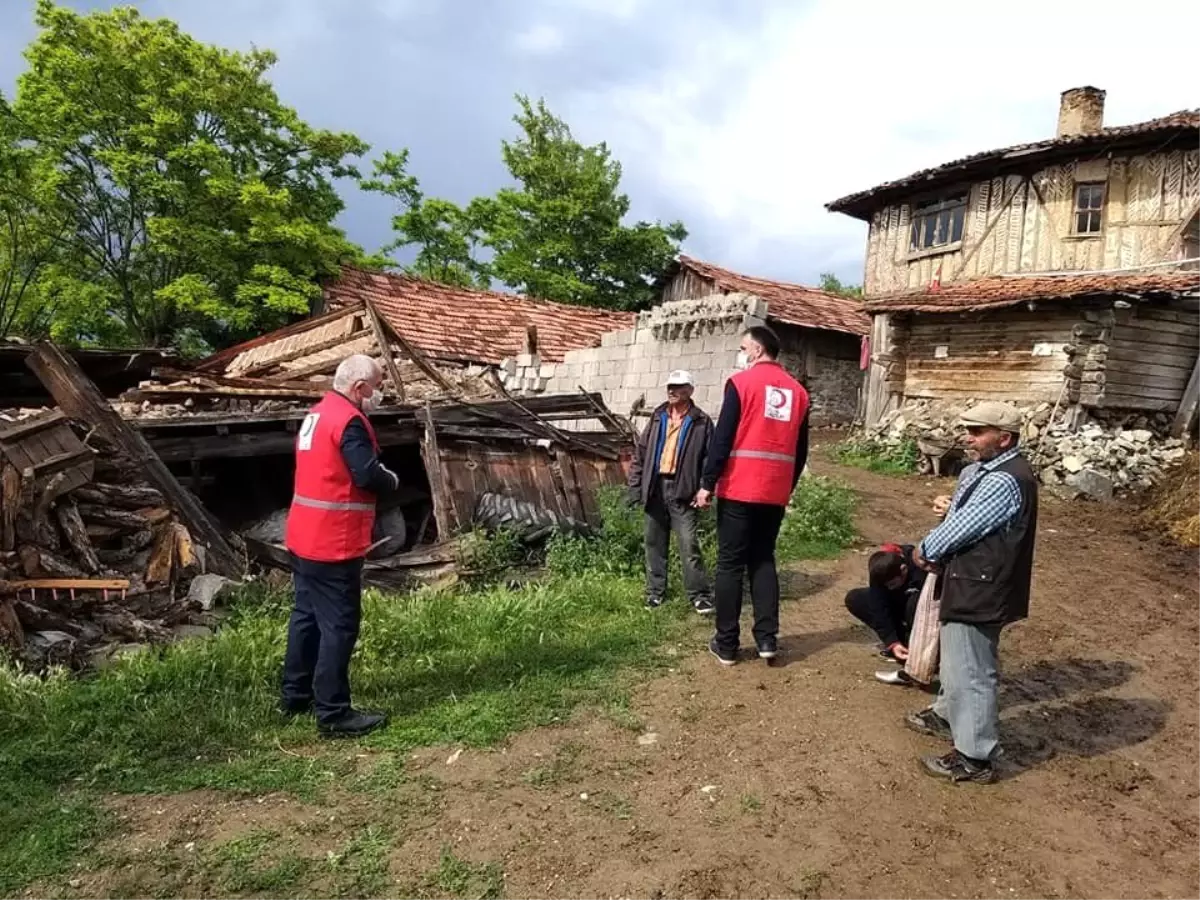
(79, 399)
(44, 446)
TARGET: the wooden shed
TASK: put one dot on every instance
(1120, 342)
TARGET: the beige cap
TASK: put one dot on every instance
(993, 414)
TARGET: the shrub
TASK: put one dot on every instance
(879, 456)
(819, 521)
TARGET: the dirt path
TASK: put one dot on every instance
(799, 780)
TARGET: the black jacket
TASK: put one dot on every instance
(689, 460)
(988, 582)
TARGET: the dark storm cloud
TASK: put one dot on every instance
(439, 79)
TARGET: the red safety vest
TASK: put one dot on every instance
(330, 519)
(763, 460)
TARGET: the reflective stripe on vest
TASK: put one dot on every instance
(765, 454)
(329, 504)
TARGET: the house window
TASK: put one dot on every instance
(1089, 207)
(938, 224)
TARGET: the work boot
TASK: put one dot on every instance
(724, 657)
(928, 722)
(704, 606)
(955, 767)
(352, 724)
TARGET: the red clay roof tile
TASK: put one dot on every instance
(999, 291)
(792, 304)
(454, 323)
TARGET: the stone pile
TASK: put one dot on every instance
(1075, 454)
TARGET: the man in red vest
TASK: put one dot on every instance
(329, 530)
(758, 452)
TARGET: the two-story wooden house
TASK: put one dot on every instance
(1062, 271)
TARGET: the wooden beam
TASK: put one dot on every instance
(67, 584)
(80, 399)
(385, 350)
(443, 504)
(1188, 405)
(416, 355)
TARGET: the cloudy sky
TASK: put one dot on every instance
(741, 119)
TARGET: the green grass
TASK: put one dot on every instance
(456, 877)
(876, 456)
(467, 667)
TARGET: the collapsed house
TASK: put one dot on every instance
(1058, 276)
(467, 451)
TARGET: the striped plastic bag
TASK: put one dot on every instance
(922, 664)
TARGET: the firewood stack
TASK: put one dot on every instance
(91, 555)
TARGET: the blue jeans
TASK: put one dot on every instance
(321, 635)
(970, 664)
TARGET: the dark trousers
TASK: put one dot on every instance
(664, 515)
(321, 635)
(888, 613)
(746, 534)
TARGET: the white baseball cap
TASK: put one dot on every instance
(680, 377)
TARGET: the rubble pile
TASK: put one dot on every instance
(1077, 455)
(92, 557)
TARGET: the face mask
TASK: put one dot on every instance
(742, 361)
(370, 404)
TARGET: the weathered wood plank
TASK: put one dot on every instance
(79, 398)
(1188, 404)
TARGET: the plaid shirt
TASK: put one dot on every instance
(990, 507)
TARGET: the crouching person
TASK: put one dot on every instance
(888, 603)
(664, 479)
(983, 551)
(329, 528)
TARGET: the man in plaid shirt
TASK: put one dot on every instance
(983, 552)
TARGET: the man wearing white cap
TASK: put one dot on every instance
(663, 480)
(983, 552)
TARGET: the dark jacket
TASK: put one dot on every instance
(988, 582)
(690, 457)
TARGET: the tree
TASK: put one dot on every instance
(559, 235)
(27, 235)
(198, 202)
(833, 284)
(446, 234)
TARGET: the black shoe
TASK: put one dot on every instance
(291, 708)
(704, 606)
(768, 648)
(956, 767)
(352, 724)
(654, 602)
(724, 657)
(928, 722)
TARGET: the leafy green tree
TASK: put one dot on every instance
(833, 284)
(447, 235)
(560, 234)
(27, 235)
(198, 202)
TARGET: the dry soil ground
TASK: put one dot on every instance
(799, 780)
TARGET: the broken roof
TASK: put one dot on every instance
(467, 325)
(1001, 291)
(792, 304)
(993, 162)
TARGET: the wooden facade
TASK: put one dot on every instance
(1050, 272)
(1024, 223)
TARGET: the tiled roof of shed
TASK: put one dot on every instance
(792, 304)
(1000, 291)
(454, 323)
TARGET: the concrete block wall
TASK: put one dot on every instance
(700, 335)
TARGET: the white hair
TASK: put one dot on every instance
(358, 367)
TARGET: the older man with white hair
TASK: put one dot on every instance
(329, 530)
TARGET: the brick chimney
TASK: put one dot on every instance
(1080, 111)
